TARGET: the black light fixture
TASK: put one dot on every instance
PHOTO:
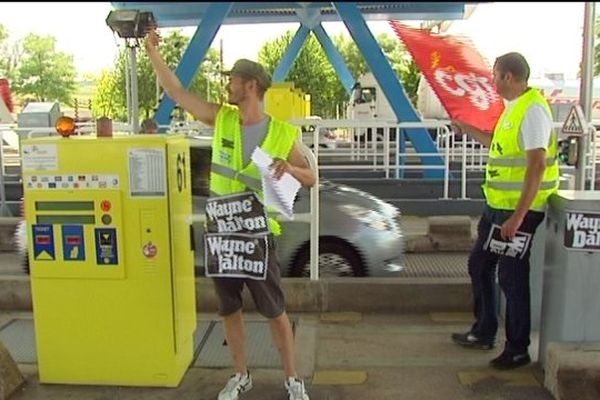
(130, 23)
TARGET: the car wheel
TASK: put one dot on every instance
(336, 259)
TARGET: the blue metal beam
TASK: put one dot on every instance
(175, 13)
(335, 58)
(286, 62)
(194, 54)
(388, 82)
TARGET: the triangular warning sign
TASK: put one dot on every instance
(44, 256)
(573, 124)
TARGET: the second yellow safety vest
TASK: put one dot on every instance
(507, 163)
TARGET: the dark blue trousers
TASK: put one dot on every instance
(513, 276)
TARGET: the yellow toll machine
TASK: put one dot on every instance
(112, 267)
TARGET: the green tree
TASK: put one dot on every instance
(3, 51)
(44, 73)
(596, 48)
(106, 100)
(9, 55)
(400, 60)
(206, 83)
(311, 72)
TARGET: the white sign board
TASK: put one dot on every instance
(575, 123)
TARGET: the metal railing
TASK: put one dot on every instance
(363, 151)
(470, 154)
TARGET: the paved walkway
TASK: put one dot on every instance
(346, 356)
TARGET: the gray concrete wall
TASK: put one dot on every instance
(407, 295)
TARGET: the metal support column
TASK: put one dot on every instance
(335, 58)
(390, 85)
(286, 62)
(585, 93)
(135, 107)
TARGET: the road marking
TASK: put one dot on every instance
(468, 378)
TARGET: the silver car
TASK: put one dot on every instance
(360, 235)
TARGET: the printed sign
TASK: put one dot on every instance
(39, 157)
(106, 246)
(238, 213)
(71, 181)
(43, 243)
(574, 123)
(516, 248)
(236, 256)
(147, 174)
(582, 231)
(73, 243)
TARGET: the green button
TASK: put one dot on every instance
(106, 219)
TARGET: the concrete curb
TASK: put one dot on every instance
(407, 295)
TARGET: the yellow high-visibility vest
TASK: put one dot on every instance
(228, 175)
(507, 163)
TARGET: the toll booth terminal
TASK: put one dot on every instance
(112, 274)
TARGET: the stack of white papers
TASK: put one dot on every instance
(279, 194)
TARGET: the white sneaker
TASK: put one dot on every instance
(296, 390)
(235, 386)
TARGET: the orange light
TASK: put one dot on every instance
(105, 205)
(65, 126)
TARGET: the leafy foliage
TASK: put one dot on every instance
(313, 73)
(111, 97)
(597, 47)
(44, 74)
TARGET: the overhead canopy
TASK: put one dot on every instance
(179, 14)
(208, 17)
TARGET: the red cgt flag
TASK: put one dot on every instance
(458, 75)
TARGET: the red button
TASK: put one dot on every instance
(105, 205)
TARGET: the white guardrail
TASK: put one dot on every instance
(364, 144)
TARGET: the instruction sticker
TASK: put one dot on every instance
(43, 243)
(39, 157)
(106, 246)
(147, 174)
(73, 243)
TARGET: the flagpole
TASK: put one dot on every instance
(585, 92)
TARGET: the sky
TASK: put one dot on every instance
(549, 35)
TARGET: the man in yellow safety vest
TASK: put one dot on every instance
(521, 173)
(239, 129)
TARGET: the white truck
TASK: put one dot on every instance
(368, 102)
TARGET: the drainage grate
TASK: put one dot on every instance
(261, 351)
(435, 265)
(19, 339)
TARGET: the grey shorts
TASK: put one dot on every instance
(267, 295)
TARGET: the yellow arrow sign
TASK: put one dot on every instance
(44, 256)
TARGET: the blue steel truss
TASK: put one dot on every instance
(210, 16)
